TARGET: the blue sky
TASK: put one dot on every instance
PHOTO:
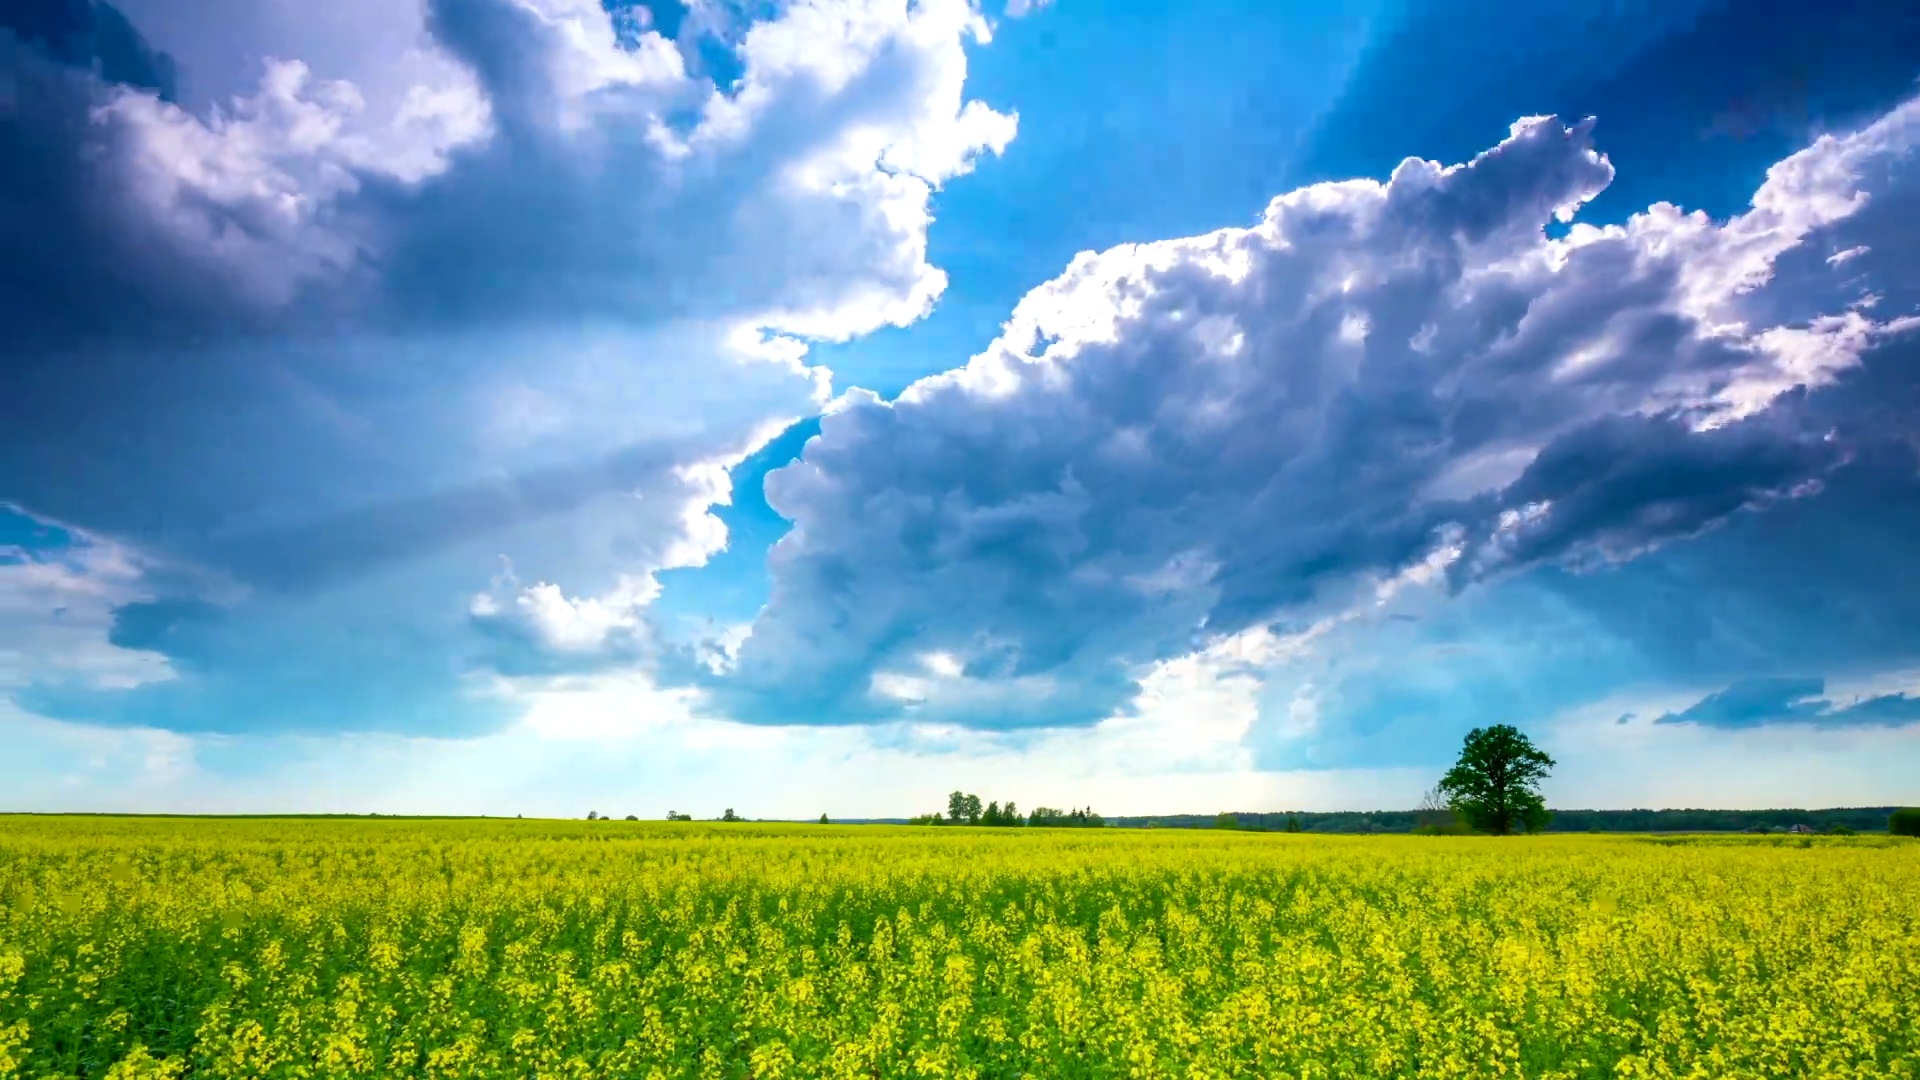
(534, 406)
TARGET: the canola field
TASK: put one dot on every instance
(143, 948)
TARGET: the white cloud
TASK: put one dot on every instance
(609, 628)
(611, 710)
(57, 609)
(569, 625)
(798, 200)
(47, 765)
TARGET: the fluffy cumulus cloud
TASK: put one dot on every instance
(555, 166)
(506, 278)
(1264, 430)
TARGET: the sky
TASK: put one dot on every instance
(816, 406)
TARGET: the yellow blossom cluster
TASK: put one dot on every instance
(138, 949)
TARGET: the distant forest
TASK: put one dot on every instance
(1860, 819)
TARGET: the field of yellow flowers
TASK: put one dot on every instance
(142, 948)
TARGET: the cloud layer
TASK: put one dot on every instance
(377, 398)
(1178, 442)
(331, 353)
(558, 167)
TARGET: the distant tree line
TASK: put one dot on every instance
(1860, 819)
(1494, 788)
(1044, 817)
(965, 809)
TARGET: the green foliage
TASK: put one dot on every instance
(824, 821)
(1293, 823)
(963, 809)
(730, 815)
(1860, 819)
(997, 815)
(676, 816)
(1224, 820)
(1049, 818)
(1495, 784)
(1905, 822)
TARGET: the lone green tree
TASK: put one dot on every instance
(1495, 786)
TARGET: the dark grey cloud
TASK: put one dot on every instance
(1623, 484)
(92, 36)
(1822, 585)
(1760, 702)
(67, 271)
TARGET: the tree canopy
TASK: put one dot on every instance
(963, 808)
(1047, 817)
(1495, 786)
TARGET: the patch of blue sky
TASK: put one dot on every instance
(24, 536)
(1157, 119)
(733, 584)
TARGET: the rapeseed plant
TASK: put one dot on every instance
(137, 948)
